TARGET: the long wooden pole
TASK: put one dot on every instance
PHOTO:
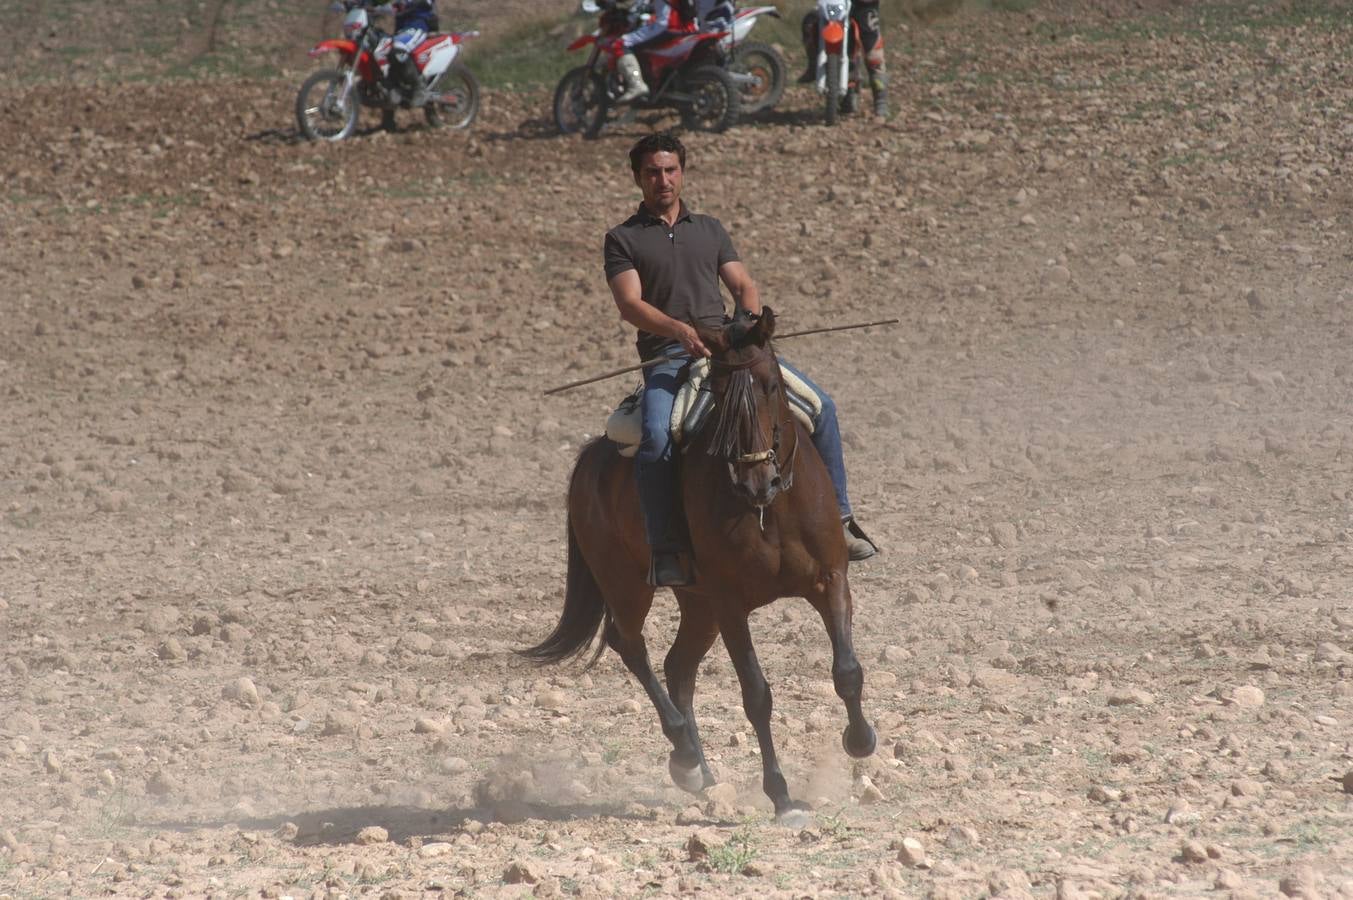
(657, 359)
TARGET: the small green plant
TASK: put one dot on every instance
(114, 814)
(834, 826)
(1308, 836)
(733, 857)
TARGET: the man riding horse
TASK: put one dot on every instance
(664, 265)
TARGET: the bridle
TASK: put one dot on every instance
(739, 401)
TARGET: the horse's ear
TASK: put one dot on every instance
(713, 338)
(765, 326)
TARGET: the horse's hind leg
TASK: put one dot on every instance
(834, 605)
(695, 635)
(630, 645)
(756, 702)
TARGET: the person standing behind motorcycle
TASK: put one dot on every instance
(865, 13)
(664, 17)
(414, 19)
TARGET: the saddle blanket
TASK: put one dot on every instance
(694, 401)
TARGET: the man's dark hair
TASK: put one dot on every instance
(662, 142)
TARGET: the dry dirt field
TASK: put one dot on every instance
(280, 495)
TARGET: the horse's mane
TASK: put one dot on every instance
(739, 402)
(736, 405)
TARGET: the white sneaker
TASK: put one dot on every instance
(633, 92)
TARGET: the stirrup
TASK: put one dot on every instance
(671, 569)
(859, 544)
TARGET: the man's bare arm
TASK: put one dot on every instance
(740, 284)
(634, 309)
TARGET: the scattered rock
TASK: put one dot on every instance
(164, 784)
(171, 651)
(911, 853)
(372, 834)
(702, 841)
(51, 762)
(554, 701)
(1246, 696)
(691, 815)
(1193, 852)
(961, 837)
(242, 691)
(339, 721)
(1303, 883)
(522, 872)
(435, 849)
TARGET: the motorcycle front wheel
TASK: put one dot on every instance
(764, 63)
(833, 86)
(580, 102)
(321, 114)
(455, 100)
(716, 102)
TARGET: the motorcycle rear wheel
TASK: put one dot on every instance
(717, 101)
(581, 102)
(319, 115)
(456, 101)
(765, 63)
(833, 86)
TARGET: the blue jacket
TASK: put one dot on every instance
(415, 14)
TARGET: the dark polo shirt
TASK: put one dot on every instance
(678, 267)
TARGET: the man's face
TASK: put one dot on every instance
(659, 177)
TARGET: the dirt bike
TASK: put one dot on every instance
(758, 69)
(327, 104)
(838, 58)
(684, 71)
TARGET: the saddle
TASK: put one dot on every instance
(694, 402)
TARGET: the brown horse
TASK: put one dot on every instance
(755, 540)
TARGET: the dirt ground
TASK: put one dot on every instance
(280, 495)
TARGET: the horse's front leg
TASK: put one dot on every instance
(834, 605)
(756, 702)
(695, 635)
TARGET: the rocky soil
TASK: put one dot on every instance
(280, 495)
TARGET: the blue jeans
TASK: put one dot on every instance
(655, 462)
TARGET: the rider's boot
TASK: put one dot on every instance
(880, 102)
(857, 542)
(412, 81)
(633, 77)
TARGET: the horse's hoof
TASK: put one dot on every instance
(859, 746)
(797, 816)
(691, 780)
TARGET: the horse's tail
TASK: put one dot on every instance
(585, 613)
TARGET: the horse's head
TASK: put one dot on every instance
(754, 432)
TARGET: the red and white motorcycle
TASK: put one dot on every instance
(327, 104)
(684, 71)
(838, 57)
(758, 68)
